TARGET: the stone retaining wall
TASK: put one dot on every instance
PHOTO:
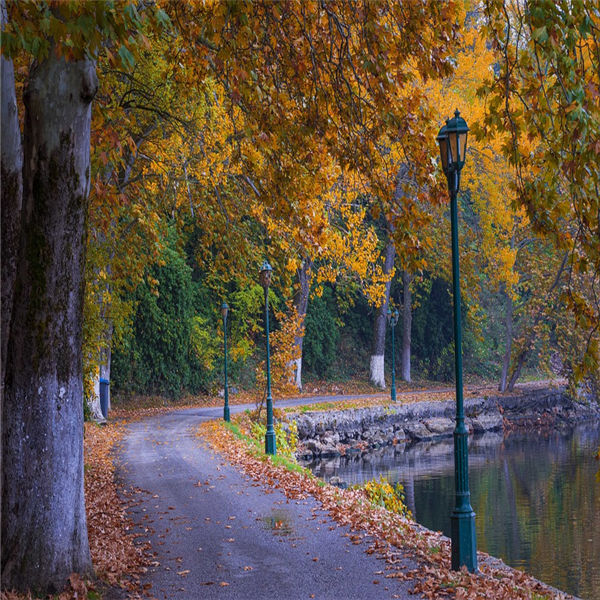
(329, 433)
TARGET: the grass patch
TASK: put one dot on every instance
(257, 450)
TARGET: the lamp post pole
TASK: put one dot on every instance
(226, 414)
(452, 139)
(464, 549)
(270, 446)
(393, 318)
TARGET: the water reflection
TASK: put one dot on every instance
(536, 497)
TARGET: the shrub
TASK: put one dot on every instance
(286, 441)
(382, 493)
(321, 334)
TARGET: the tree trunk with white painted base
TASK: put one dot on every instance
(44, 532)
(301, 303)
(406, 324)
(376, 367)
(103, 373)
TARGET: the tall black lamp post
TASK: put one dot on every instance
(265, 280)
(224, 311)
(452, 139)
(393, 320)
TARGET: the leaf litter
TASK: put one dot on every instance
(392, 537)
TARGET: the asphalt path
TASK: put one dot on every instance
(215, 533)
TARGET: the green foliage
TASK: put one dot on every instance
(354, 344)
(78, 29)
(171, 349)
(382, 493)
(433, 333)
(321, 334)
(205, 346)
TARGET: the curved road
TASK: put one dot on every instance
(214, 533)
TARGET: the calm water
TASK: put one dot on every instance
(536, 497)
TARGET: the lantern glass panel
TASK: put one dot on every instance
(462, 144)
(443, 141)
(453, 138)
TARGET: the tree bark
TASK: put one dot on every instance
(509, 336)
(301, 304)
(103, 373)
(377, 371)
(11, 191)
(406, 324)
(44, 532)
(528, 345)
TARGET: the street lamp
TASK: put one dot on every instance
(265, 280)
(452, 140)
(393, 320)
(224, 311)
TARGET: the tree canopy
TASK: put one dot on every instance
(302, 132)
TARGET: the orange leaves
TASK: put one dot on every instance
(316, 81)
(115, 557)
(285, 351)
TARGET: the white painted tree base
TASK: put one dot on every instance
(94, 403)
(377, 373)
(298, 373)
(406, 369)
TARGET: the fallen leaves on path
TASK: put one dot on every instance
(116, 558)
(394, 538)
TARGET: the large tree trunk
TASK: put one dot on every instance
(11, 190)
(508, 349)
(377, 371)
(301, 304)
(406, 324)
(44, 532)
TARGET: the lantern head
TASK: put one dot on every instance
(456, 144)
(265, 275)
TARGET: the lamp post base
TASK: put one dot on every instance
(226, 414)
(464, 548)
(270, 442)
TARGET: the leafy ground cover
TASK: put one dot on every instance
(118, 562)
(393, 534)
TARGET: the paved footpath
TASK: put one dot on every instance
(215, 533)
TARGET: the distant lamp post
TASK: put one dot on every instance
(452, 140)
(393, 320)
(224, 311)
(265, 280)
